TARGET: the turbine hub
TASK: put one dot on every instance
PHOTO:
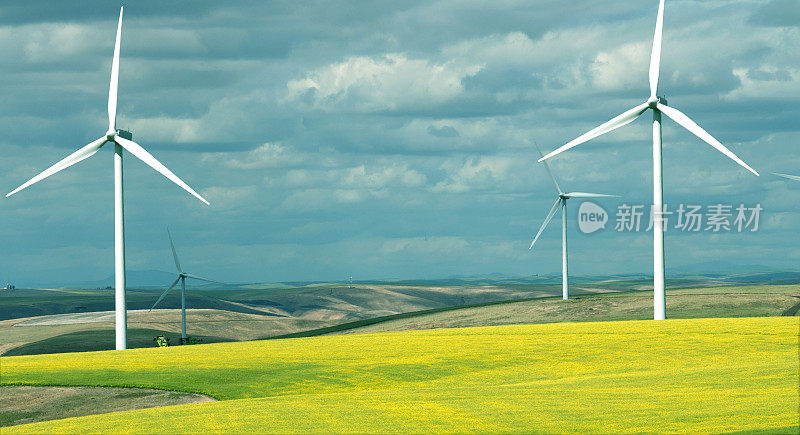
(653, 102)
(563, 196)
(110, 135)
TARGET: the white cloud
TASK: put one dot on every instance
(268, 155)
(390, 82)
(476, 173)
(426, 245)
(308, 200)
(50, 42)
(394, 175)
(622, 68)
(229, 197)
(320, 188)
(167, 129)
(766, 82)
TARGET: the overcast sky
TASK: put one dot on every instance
(388, 139)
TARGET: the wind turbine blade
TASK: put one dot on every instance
(547, 220)
(112, 88)
(146, 157)
(204, 279)
(698, 131)
(165, 292)
(623, 119)
(791, 177)
(174, 254)
(550, 173)
(590, 195)
(655, 57)
(66, 162)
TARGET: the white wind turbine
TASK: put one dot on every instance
(658, 105)
(182, 278)
(115, 136)
(562, 202)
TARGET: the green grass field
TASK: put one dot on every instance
(700, 375)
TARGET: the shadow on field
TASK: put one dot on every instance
(88, 341)
(22, 404)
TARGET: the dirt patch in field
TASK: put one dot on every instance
(27, 404)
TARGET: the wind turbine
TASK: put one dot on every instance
(658, 105)
(182, 278)
(791, 177)
(117, 137)
(561, 202)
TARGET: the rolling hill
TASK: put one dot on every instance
(697, 375)
(316, 310)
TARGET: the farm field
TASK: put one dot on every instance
(699, 375)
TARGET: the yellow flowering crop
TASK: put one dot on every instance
(701, 375)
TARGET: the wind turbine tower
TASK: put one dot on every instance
(182, 278)
(658, 105)
(561, 202)
(122, 140)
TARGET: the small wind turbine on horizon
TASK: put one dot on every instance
(658, 105)
(561, 202)
(182, 278)
(117, 137)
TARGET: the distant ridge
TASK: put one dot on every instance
(718, 272)
(133, 279)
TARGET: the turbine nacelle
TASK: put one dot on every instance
(112, 134)
(653, 102)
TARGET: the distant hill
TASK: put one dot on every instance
(716, 273)
(133, 279)
(720, 267)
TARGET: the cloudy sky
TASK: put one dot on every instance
(388, 139)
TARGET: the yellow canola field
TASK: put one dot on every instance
(700, 375)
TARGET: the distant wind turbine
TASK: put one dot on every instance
(182, 278)
(120, 142)
(658, 105)
(562, 202)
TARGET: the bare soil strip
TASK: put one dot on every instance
(27, 404)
